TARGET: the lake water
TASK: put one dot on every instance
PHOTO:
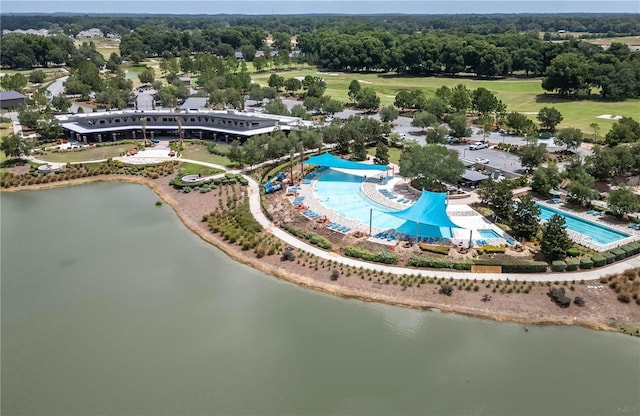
(111, 306)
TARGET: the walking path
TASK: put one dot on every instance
(256, 210)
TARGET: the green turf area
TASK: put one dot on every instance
(627, 40)
(106, 46)
(80, 155)
(6, 128)
(191, 169)
(199, 152)
(522, 95)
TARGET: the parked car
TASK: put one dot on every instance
(155, 141)
(478, 146)
(482, 160)
(452, 140)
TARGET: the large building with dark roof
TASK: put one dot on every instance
(217, 125)
(11, 99)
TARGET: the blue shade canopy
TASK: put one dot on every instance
(429, 209)
(330, 161)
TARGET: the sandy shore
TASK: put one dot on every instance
(602, 310)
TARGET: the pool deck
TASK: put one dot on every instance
(460, 213)
(634, 235)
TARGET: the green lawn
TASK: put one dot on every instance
(5, 130)
(192, 169)
(199, 152)
(95, 153)
(522, 95)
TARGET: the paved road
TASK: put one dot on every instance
(57, 87)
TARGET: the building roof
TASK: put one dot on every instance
(429, 209)
(331, 161)
(194, 103)
(473, 176)
(10, 95)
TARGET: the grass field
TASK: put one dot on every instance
(199, 152)
(193, 169)
(522, 95)
(106, 46)
(627, 40)
(95, 153)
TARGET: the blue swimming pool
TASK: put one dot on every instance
(489, 233)
(341, 192)
(598, 234)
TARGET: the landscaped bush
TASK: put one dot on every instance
(439, 249)
(598, 260)
(379, 257)
(631, 249)
(438, 263)
(572, 265)
(609, 257)
(558, 266)
(619, 253)
(516, 266)
(557, 295)
(573, 252)
(490, 249)
(586, 263)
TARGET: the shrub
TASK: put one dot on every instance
(578, 301)
(558, 266)
(598, 260)
(573, 252)
(609, 257)
(288, 256)
(624, 297)
(158, 203)
(335, 274)
(572, 265)
(439, 249)
(586, 263)
(446, 289)
(490, 249)
(437, 263)
(558, 297)
(379, 257)
(619, 253)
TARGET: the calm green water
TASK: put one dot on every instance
(110, 306)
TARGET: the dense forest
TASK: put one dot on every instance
(609, 24)
(421, 45)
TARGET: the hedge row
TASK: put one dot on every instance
(436, 263)
(489, 249)
(313, 238)
(516, 266)
(597, 260)
(379, 257)
(439, 249)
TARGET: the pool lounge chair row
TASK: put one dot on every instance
(634, 226)
(297, 201)
(391, 195)
(310, 214)
(385, 236)
(338, 227)
(595, 212)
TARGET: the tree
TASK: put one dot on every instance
(404, 99)
(555, 241)
(314, 86)
(147, 76)
(570, 137)
(298, 110)
(292, 85)
(424, 120)
(524, 221)
(435, 106)
(549, 118)
(29, 118)
(368, 99)
(235, 153)
(595, 127)
(567, 73)
(332, 106)
(458, 125)
(37, 77)
(276, 81)
(276, 107)
(623, 201)
(14, 145)
(430, 166)
(533, 155)
(626, 130)
(581, 190)
(15, 82)
(460, 99)
(382, 154)
(483, 101)
(437, 135)
(485, 121)
(388, 114)
(354, 90)
(499, 197)
(49, 129)
(519, 122)
(546, 178)
(61, 103)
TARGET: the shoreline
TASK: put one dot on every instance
(307, 282)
